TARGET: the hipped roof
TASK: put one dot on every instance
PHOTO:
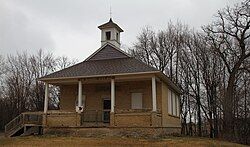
(107, 60)
(110, 24)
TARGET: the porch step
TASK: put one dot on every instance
(24, 124)
(15, 131)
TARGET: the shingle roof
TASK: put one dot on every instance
(107, 52)
(102, 67)
(103, 63)
(110, 24)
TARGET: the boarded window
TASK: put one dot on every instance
(136, 101)
(108, 35)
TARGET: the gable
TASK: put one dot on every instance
(107, 52)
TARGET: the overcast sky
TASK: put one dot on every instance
(69, 27)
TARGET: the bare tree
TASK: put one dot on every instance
(229, 36)
(20, 89)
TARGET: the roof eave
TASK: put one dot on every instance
(107, 27)
(94, 76)
(170, 83)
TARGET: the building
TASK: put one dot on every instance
(110, 90)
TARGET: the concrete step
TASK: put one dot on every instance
(30, 130)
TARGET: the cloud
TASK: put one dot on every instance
(18, 32)
(70, 27)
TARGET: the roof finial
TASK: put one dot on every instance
(110, 12)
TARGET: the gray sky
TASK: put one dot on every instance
(69, 27)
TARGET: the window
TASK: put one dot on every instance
(108, 35)
(178, 105)
(173, 103)
(83, 101)
(136, 101)
(117, 36)
(170, 102)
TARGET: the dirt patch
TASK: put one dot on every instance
(110, 142)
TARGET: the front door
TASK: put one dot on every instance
(106, 110)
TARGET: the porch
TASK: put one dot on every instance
(121, 101)
(28, 123)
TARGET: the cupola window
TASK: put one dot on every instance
(108, 35)
(117, 36)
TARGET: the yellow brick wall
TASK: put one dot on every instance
(62, 120)
(133, 120)
(95, 96)
(167, 120)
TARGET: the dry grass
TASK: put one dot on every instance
(55, 141)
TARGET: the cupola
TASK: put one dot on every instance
(110, 32)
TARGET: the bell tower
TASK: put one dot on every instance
(110, 32)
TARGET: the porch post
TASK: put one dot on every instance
(112, 95)
(79, 94)
(46, 98)
(154, 94)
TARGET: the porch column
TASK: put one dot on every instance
(112, 95)
(46, 98)
(154, 94)
(79, 94)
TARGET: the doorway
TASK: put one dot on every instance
(106, 110)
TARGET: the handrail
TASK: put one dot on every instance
(22, 119)
(14, 123)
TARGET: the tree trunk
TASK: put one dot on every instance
(228, 126)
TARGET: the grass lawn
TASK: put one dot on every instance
(108, 141)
